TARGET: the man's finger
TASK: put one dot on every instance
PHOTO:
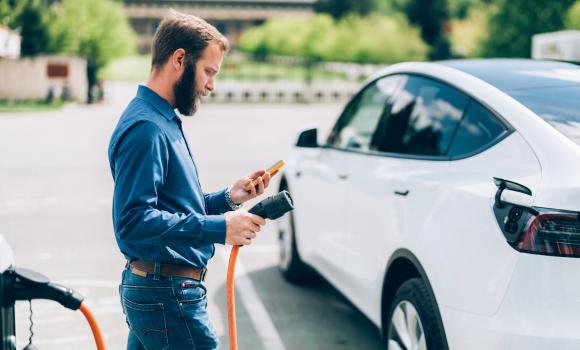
(258, 220)
(260, 185)
(254, 177)
(257, 173)
(266, 179)
(253, 190)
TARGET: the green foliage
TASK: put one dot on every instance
(460, 8)
(512, 27)
(370, 39)
(432, 17)
(572, 20)
(30, 19)
(6, 13)
(468, 34)
(341, 8)
(96, 29)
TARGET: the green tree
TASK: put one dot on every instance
(432, 17)
(96, 29)
(6, 13)
(371, 39)
(389, 6)
(572, 20)
(30, 19)
(512, 27)
(342, 8)
(468, 34)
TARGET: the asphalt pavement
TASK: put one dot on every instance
(55, 212)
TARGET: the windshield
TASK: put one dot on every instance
(559, 106)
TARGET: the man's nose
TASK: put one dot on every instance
(210, 85)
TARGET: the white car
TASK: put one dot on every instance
(444, 204)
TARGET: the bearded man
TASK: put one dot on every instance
(165, 225)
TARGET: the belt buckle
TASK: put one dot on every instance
(202, 275)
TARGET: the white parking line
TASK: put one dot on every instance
(256, 310)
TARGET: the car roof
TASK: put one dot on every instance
(519, 74)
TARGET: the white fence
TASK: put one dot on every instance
(33, 78)
(282, 92)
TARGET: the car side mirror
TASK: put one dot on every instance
(308, 138)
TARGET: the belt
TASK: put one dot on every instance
(144, 268)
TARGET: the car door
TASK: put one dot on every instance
(319, 196)
(325, 175)
(390, 193)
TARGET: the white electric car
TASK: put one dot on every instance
(444, 203)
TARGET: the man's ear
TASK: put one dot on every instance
(178, 59)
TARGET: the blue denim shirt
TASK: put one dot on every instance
(160, 212)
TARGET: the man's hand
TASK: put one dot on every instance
(241, 227)
(239, 195)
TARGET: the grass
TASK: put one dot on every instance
(29, 106)
(136, 68)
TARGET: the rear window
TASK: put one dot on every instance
(558, 106)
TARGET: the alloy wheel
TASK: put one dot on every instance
(406, 330)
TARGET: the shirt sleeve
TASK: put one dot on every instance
(216, 202)
(141, 163)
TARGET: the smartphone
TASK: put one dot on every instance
(273, 170)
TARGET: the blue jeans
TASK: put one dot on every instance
(166, 313)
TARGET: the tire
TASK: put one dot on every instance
(291, 266)
(413, 321)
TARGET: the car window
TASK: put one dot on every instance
(422, 120)
(478, 129)
(357, 124)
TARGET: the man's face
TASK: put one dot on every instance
(197, 79)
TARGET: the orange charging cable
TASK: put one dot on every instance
(231, 299)
(94, 327)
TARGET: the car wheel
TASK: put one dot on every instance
(291, 266)
(413, 319)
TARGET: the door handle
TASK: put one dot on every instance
(343, 176)
(402, 193)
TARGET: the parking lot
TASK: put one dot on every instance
(55, 212)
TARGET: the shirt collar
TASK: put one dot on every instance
(160, 104)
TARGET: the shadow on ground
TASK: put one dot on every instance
(314, 317)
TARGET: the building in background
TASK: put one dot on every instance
(229, 17)
(9, 43)
(44, 77)
(563, 45)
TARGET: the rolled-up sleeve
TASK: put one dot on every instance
(141, 163)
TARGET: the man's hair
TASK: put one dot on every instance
(183, 31)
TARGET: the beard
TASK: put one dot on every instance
(187, 98)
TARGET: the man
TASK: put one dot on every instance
(164, 224)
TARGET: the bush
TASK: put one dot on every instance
(371, 39)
